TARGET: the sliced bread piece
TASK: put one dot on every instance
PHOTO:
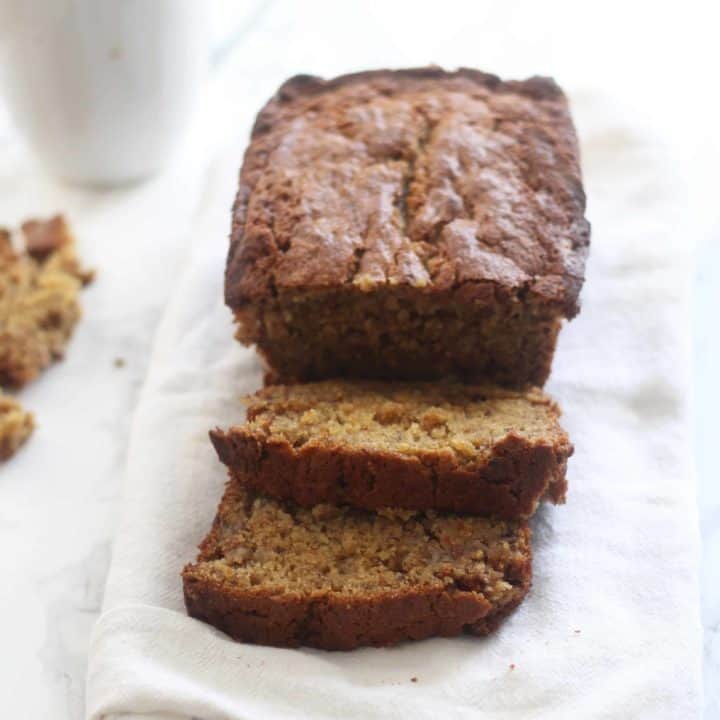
(338, 578)
(444, 446)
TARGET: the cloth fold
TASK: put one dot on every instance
(611, 626)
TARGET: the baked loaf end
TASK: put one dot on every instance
(409, 224)
(337, 578)
(463, 448)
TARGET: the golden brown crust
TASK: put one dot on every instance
(423, 178)
(510, 487)
(321, 614)
(505, 477)
(336, 624)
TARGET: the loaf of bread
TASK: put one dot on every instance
(404, 249)
(465, 448)
(338, 578)
(410, 224)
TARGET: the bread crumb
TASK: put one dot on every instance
(464, 447)
(40, 284)
(16, 425)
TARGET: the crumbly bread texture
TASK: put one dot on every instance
(39, 288)
(338, 578)
(409, 224)
(466, 448)
(16, 425)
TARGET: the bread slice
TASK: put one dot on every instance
(338, 578)
(476, 449)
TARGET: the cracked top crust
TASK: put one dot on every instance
(418, 178)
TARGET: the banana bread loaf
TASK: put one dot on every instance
(409, 224)
(476, 449)
(338, 578)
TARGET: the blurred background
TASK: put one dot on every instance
(131, 117)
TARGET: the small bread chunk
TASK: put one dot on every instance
(444, 446)
(15, 426)
(338, 578)
(39, 288)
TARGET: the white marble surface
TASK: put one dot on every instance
(58, 497)
(707, 395)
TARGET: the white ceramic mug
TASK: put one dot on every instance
(102, 89)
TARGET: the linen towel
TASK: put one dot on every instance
(611, 626)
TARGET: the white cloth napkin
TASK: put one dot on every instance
(611, 626)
